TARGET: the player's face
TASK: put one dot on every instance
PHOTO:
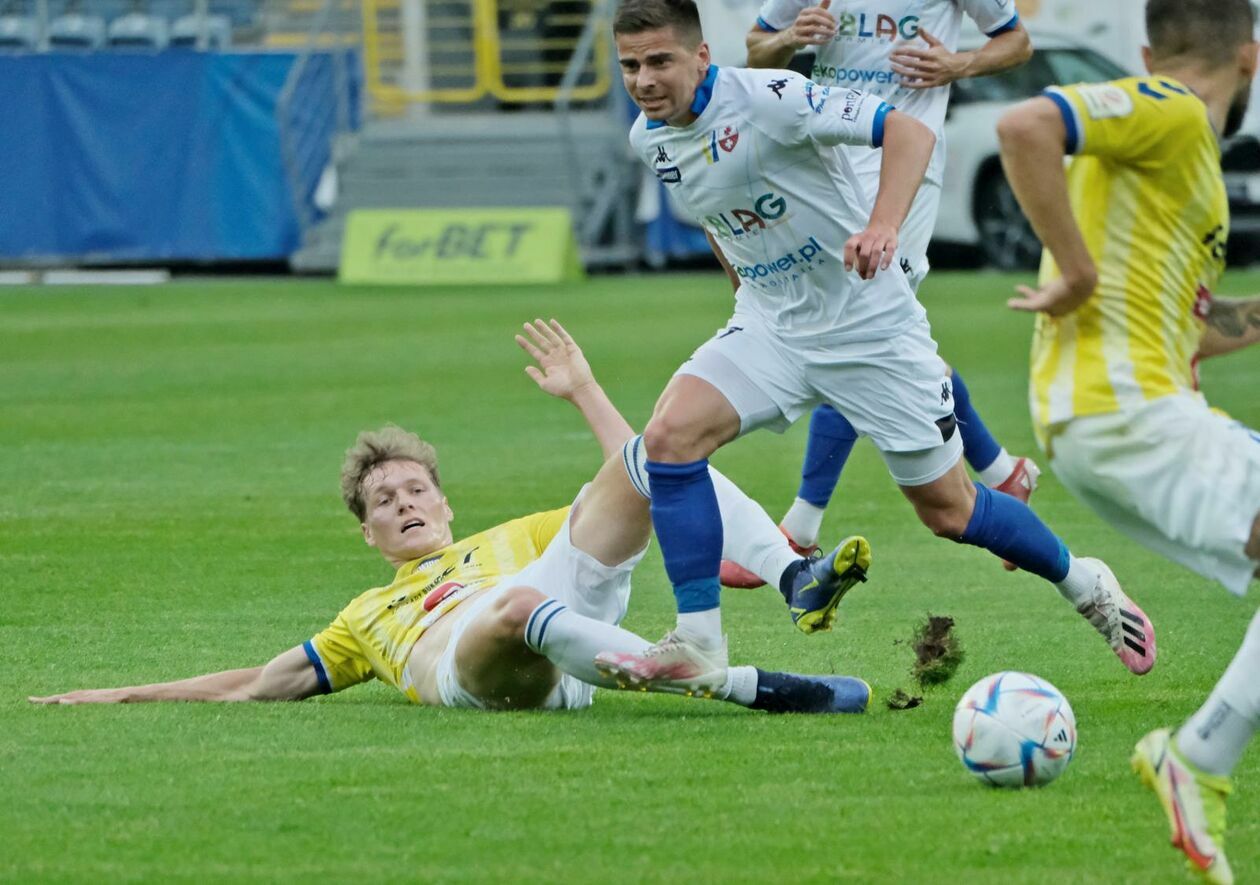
(407, 514)
(661, 74)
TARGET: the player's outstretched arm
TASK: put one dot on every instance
(1033, 141)
(814, 26)
(563, 372)
(1232, 324)
(934, 65)
(289, 676)
(907, 149)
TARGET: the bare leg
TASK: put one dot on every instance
(945, 505)
(611, 522)
(492, 661)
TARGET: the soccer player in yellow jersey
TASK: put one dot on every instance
(1134, 236)
(511, 617)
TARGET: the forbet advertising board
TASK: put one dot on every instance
(426, 247)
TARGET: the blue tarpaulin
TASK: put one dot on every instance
(121, 157)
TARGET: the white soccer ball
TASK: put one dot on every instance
(1014, 730)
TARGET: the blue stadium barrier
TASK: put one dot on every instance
(121, 157)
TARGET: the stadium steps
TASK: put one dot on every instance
(472, 160)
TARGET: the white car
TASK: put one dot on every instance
(978, 208)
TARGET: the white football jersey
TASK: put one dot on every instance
(760, 169)
(867, 33)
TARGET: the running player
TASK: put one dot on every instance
(1135, 240)
(751, 155)
(509, 618)
(903, 51)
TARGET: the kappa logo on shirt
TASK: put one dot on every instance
(777, 87)
(667, 174)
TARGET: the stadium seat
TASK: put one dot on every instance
(74, 30)
(18, 32)
(140, 30)
(185, 31)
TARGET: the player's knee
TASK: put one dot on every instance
(946, 522)
(512, 609)
(675, 438)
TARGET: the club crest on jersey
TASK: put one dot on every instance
(729, 138)
(667, 174)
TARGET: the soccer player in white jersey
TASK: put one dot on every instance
(508, 618)
(1135, 237)
(904, 51)
(752, 156)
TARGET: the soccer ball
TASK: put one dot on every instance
(1014, 730)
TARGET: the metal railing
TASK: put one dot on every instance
(461, 51)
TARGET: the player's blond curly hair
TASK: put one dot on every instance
(375, 447)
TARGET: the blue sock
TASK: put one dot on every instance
(831, 438)
(689, 528)
(1008, 527)
(979, 447)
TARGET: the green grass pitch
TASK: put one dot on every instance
(170, 507)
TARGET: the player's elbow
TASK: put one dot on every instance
(754, 42)
(904, 129)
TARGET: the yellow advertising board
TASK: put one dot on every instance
(430, 247)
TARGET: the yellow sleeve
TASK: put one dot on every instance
(542, 527)
(1140, 119)
(338, 660)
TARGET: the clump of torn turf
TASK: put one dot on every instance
(899, 700)
(937, 651)
(937, 654)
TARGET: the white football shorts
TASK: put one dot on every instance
(563, 572)
(1175, 476)
(897, 390)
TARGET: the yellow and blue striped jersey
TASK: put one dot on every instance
(1147, 192)
(374, 634)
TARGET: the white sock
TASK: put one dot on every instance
(571, 641)
(1079, 585)
(701, 628)
(803, 522)
(1215, 737)
(999, 471)
(749, 535)
(740, 686)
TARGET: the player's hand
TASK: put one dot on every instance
(871, 250)
(925, 68)
(1056, 298)
(814, 26)
(84, 696)
(562, 369)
